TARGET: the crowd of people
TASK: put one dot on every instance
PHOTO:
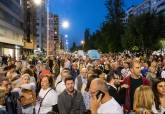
(66, 84)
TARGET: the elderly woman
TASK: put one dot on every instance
(47, 97)
(26, 91)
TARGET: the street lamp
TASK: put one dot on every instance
(82, 43)
(37, 2)
(65, 24)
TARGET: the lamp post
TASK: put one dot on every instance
(82, 43)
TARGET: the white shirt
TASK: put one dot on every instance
(49, 100)
(155, 111)
(163, 74)
(110, 107)
(60, 87)
(84, 83)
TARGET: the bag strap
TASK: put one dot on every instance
(42, 100)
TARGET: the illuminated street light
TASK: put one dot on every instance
(66, 36)
(37, 2)
(65, 24)
(82, 42)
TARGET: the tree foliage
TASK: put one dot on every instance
(144, 31)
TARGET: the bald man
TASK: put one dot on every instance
(103, 104)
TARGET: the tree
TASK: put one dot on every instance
(86, 39)
(144, 31)
(74, 47)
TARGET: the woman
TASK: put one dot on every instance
(86, 94)
(143, 100)
(26, 89)
(159, 91)
(47, 97)
(151, 75)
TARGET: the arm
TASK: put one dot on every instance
(61, 107)
(82, 105)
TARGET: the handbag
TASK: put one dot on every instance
(28, 98)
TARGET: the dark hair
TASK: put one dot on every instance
(50, 79)
(89, 80)
(110, 76)
(155, 91)
(28, 71)
(68, 78)
(11, 67)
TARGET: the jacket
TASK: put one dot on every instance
(68, 104)
(127, 102)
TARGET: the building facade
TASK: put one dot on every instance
(41, 26)
(11, 27)
(53, 38)
(29, 27)
(147, 6)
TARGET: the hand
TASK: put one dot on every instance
(95, 103)
(125, 86)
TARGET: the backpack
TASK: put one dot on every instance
(12, 103)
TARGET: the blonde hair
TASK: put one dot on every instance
(143, 99)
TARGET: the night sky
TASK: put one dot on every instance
(82, 14)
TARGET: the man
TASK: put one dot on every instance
(132, 82)
(112, 80)
(74, 70)
(81, 80)
(70, 101)
(60, 82)
(104, 104)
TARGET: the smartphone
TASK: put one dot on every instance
(100, 93)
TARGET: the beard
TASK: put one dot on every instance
(71, 89)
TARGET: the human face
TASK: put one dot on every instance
(69, 86)
(84, 73)
(136, 69)
(161, 88)
(44, 83)
(25, 79)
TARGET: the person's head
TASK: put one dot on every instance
(65, 72)
(69, 83)
(152, 69)
(5, 85)
(107, 66)
(96, 85)
(89, 80)
(25, 78)
(28, 71)
(159, 87)
(159, 91)
(143, 98)
(18, 64)
(46, 82)
(11, 68)
(74, 66)
(112, 78)
(126, 65)
(136, 68)
(84, 72)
